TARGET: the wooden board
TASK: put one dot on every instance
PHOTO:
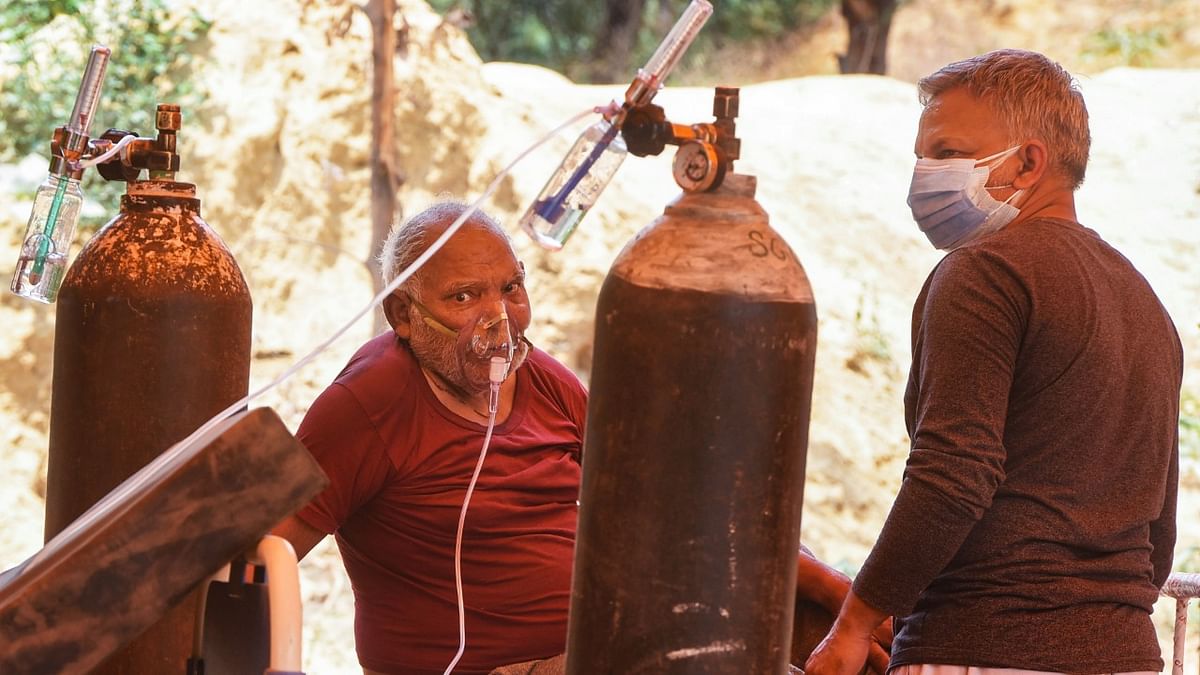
(125, 562)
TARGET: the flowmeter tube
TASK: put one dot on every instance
(57, 203)
(598, 152)
(673, 46)
(88, 97)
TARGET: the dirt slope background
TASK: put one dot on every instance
(280, 151)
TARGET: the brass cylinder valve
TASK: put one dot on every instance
(157, 155)
(706, 150)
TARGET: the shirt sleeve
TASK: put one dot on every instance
(966, 337)
(1162, 529)
(576, 400)
(346, 444)
(568, 391)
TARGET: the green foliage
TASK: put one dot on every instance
(18, 20)
(1131, 46)
(46, 48)
(548, 32)
(563, 34)
(870, 341)
(1187, 560)
(1189, 426)
(751, 19)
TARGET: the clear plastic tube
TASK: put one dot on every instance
(675, 44)
(107, 154)
(387, 290)
(160, 466)
(89, 91)
(458, 536)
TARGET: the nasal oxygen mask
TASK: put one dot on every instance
(493, 337)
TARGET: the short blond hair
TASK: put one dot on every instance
(1033, 96)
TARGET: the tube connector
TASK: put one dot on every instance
(497, 371)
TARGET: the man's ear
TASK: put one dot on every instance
(395, 309)
(1035, 164)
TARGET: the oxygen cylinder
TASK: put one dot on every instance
(152, 338)
(697, 432)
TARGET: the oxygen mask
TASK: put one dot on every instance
(491, 339)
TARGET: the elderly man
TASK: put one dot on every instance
(1036, 519)
(400, 432)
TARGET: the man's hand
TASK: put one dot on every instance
(860, 636)
(826, 587)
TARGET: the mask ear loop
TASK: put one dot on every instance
(998, 157)
(996, 160)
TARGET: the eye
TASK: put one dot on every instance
(462, 297)
(513, 286)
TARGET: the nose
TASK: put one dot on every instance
(501, 316)
(493, 337)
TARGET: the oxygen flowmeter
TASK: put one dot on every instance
(595, 157)
(43, 258)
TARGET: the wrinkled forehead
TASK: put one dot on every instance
(476, 252)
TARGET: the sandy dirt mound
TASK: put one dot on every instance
(280, 153)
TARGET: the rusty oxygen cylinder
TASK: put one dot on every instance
(697, 433)
(152, 338)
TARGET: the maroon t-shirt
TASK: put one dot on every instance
(399, 463)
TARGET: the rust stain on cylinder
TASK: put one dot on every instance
(695, 453)
(152, 339)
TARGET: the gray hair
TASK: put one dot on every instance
(1033, 96)
(408, 240)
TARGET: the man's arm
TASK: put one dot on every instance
(966, 339)
(302, 536)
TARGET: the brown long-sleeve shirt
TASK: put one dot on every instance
(1036, 519)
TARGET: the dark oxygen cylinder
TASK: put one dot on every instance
(152, 338)
(697, 432)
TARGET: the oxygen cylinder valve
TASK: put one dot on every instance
(156, 155)
(706, 151)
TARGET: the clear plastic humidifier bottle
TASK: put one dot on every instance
(43, 258)
(42, 262)
(574, 187)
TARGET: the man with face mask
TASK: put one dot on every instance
(399, 433)
(1036, 519)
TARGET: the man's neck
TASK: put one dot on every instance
(1055, 203)
(472, 406)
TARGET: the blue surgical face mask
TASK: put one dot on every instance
(951, 204)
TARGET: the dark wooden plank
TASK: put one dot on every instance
(123, 564)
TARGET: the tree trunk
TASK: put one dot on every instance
(868, 22)
(616, 41)
(385, 176)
